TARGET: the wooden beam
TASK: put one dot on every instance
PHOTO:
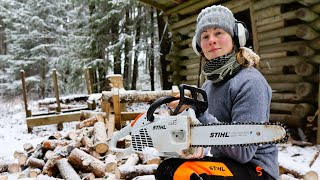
(153, 4)
(181, 6)
(52, 119)
(128, 116)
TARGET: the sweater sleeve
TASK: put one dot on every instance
(250, 102)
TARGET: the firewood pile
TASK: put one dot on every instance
(83, 153)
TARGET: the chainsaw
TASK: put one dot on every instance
(170, 134)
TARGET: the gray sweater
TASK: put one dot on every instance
(245, 97)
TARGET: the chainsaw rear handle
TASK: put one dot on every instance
(116, 136)
(199, 106)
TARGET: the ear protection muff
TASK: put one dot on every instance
(241, 34)
(196, 48)
(240, 37)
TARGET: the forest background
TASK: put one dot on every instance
(110, 36)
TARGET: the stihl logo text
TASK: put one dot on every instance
(158, 127)
(216, 168)
(219, 134)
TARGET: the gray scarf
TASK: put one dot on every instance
(221, 68)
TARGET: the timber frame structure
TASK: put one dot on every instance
(286, 35)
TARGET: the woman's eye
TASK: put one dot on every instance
(205, 37)
(218, 33)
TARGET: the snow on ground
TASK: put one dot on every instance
(13, 134)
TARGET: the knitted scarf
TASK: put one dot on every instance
(221, 68)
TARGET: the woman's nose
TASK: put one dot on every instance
(212, 40)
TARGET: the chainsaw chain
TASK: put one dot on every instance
(283, 140)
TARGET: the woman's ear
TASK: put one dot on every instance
(196, 48)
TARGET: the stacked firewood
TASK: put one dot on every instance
(82, 153)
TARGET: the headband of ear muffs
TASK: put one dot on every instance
(241, 35)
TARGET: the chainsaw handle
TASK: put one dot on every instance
(116, 136)
(157, 103)
(199, 106)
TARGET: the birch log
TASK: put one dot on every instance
(86, 162)
(66, 170)
(129, 172)
(100, 138)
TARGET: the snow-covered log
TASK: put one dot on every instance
(128, 172)
(100, 138)
(86, 162)
(66, 170)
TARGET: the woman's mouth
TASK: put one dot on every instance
(213, 49)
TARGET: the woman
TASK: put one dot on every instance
(237, 92)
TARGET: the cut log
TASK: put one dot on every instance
(85, 114)
(27, 147)
(22, 159)
(100, 138)
(52, 144)
(287, 177)
(86, 162)
(111, 162)
(35, 163)
(278, 70)
(88, 122)
(14, 167)
(132, 160)
(311, 175)
(302, 110)
(73, 134)
(4, 177)
(33, 173)
(64, 151)
(48, 155)
(144, 177)
(50, 168)
(266, 3)
(56, 135)
(291, 78)
(129, 172)
(66, 170)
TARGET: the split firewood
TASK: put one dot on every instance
(111, 162)
(88, 122)
(66, 170)
(100, 138)
(86, 162)
(24, 174)
(52, 144)
(3, 166)
(28, 147)
(50, 168)
(129, 172)
(36, 163)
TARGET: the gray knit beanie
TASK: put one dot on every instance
(215, 16)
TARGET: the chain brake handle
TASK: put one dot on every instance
(199, 105)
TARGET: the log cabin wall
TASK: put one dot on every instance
(284, 33)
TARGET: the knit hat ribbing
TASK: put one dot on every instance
(215, 16)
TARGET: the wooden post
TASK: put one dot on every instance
(87, 77)
(56, 90)
(24, 93)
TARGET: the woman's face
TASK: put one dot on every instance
(215, 42)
